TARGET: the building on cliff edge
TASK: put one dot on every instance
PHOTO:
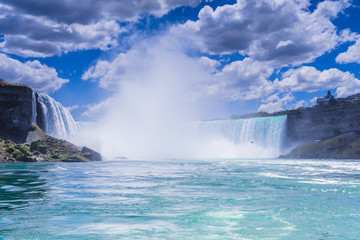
(330, 100)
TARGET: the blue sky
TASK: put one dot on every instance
(234, 57)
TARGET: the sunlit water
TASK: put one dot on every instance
(181, 199)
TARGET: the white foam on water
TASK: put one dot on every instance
(275, 175)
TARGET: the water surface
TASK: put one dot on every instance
(181, 199)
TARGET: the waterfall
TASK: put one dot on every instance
(263, 132)
(240, 138)
(34, 112)
(56, 119)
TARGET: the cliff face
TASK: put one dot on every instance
(321, 123)
(15, 111)
(346, 146)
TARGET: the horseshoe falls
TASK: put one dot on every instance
(239, 138)
(55, 120)
(254, 137)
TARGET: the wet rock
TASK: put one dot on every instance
(91, 154)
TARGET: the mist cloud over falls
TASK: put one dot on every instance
(155, 95)
(160, 94)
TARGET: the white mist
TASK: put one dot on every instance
(159, 91)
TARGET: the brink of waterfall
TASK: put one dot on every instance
(266, 133)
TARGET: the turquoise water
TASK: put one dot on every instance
(181, 199)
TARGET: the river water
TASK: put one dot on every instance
(181, 199)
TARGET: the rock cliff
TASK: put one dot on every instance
(15, 111)
(345, 146)
(320, 123)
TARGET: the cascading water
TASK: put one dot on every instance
(57, 120)
(241, 138)
(266, 133)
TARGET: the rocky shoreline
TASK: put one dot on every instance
(40, 147)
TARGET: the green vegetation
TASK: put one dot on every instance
(10, 148)
(3, 83)
(38, 129)
(34, 146)
(18, 155)
(47, 149)
(25, 150)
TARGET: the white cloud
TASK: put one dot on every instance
(71, 108)
(35, 37)
(277, 32)
(109, 73)
(284, 43)
(275, 103)
(87, 11)
(246, 79)
(310, 79)
(301, 103)
(210, 64)
(313, 100)
(352, 55)
(34, 28)
(38, 76)
(97, 110)
(239, 80)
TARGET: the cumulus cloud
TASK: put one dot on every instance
(71, 108)
(88, 11)
(352, 55)
(97, 109)
(38, 76)
(269, 35)
(278, 32)
(38, 28)
(275, 103)
(211, 65)
(301, 103)
(309, 79)
(36, 38)
(110, 73)
(244, 80)
(239, 80)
